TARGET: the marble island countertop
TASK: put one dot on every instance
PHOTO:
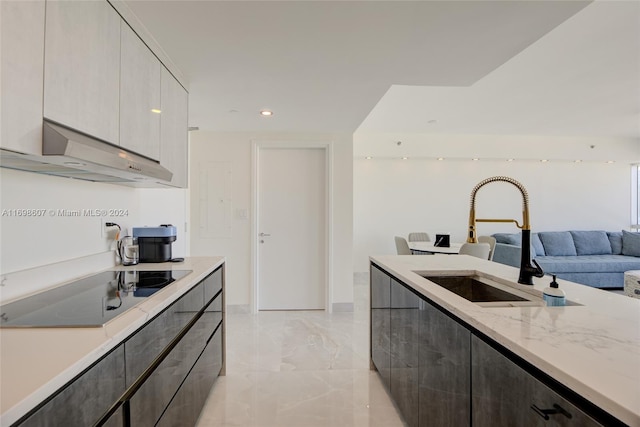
(592, 348)
(35, 362)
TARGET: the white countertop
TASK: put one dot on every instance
(35, 362)
(593, 349)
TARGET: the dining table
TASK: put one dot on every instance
(429, 247)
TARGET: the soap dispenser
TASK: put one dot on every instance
(553, 295)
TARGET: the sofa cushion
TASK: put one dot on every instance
(588, 264)
(630, 243)
(615, 238)
(558, 243)
(508, 238)
(591, 242)
(537, 245)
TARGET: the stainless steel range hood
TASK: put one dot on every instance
(68, 153)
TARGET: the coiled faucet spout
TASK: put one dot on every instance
(527, 270)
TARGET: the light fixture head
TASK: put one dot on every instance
(510, 160)
(266, 113)
(544, 160)
(368, 157)
(577, 161)
(610, 161)
(475, 159)
(156, 110)
(404, 157)
(440, 158)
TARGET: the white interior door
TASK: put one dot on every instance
(291, 229)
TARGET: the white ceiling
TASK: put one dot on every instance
(505, 67)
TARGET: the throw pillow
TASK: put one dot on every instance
(537, 245)
(615, 238)
(558, 243)
(591, 242)
(630, 243)
(508, 238)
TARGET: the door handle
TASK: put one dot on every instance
(264, 234)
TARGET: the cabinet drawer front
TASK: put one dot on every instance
(504, 394)
(186, 406)
(212, 284)
(86, 399)
(143, 347)
(150, 401)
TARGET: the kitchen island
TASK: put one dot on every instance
(40, 365)
(584, 357)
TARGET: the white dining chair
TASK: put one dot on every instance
(492, 244)
(419, 237)
(479, 250)
(402, 246)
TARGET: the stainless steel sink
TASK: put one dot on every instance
(472, 289)
(484, 291)
(488, 291)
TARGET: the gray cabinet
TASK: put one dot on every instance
(186, 405)
(82, 67)
(140, 107)
(381, 324)
(444, 369)
(172, 394)
(405, 324)
(85, 400)
(174, 129)
(504, 394)
(22, 38)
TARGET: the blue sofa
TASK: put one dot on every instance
(593, 258)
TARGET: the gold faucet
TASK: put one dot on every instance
(527, 271)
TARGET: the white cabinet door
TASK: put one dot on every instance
(139, 96)
(82, 67)
(174, 132)
(22, 36)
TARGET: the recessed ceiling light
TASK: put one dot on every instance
(544, 160)
(510, 160)
(155, 110)
(404, 158)
(577, 161)
(610, 161)
(266, 113)
(368, 157)
(440, 158)
(475, 159)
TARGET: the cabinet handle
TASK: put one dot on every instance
(544, 413)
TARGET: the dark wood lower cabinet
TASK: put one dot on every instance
(84, 400)
(504, 394)
(405, 324)
(439, 372)
(381, 324)
(444, 369)
(185, 407)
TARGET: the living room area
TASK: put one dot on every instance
(559, 119)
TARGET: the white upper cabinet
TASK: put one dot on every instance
(139, 96)
(174, 129)
(82, 67)
(22, 41)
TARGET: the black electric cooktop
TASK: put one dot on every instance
(88, 302)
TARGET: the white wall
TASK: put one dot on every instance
(30, 242)
(234, 150)
(393, 197)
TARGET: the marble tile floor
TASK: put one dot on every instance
(300, 369)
